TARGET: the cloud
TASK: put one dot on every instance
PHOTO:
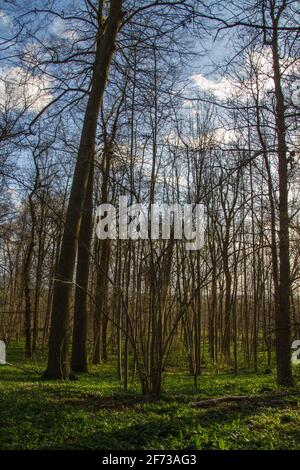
(5, 20)
(19, 89)
(59, 29)
(212, 138)
(296, 93)
(229, 87)
(254, 76)
(221, 89)
(224, 136)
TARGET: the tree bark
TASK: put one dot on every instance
(79, 356)
(58, 366)
(282, 320)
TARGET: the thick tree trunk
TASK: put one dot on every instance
(283, 332)
(58, 366)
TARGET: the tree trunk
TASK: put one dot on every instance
(27, 280)
(79, 356)
(103, 246)
(58, 367)
(283, 333)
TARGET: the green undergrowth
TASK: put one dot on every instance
(95, 413)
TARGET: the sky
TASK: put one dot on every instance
(209, 53)
(204, 73)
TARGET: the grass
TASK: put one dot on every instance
(95, 413)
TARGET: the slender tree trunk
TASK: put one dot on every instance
(100, 314)
(27, 297)
(27, 280)
(79, 356)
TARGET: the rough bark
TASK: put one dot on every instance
(58, 366)
(282, 320)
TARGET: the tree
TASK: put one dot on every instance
(58, 366)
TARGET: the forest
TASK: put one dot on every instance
(140, 339)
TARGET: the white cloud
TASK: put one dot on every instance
(260, 63)
(19, 89)
(210, 139)
(222, 88)
(224, 136)
(5, 19)
(229, 87)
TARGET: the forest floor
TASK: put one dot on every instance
(95, 413)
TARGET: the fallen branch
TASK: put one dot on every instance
(216, 401)
(272, 399)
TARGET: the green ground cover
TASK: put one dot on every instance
(95, 413)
